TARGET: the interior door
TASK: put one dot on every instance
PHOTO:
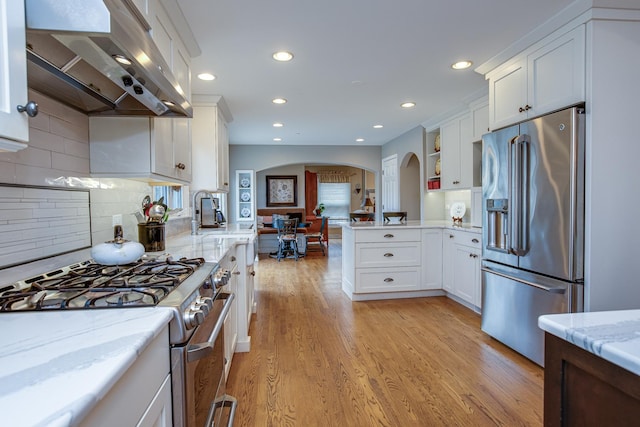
(390, 190)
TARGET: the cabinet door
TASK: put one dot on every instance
(464, 274)
(557, 73)
(162, 147)
(160, 412)
(14, 126)
(223, 152)
(432, 259)
(448, 261)
(480, 121)
(450, 155)
(508, 94)
(181, 148)
(466, 153)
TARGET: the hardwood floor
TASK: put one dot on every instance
(319, 359)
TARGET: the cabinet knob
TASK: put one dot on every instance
(181, 166)
(451, 236)
(520, 110)
(528, 107)
(388, 280)
(388, 236)
(475, 240)
(388, 255)
(31, 108)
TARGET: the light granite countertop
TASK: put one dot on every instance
(612, 335)
(56, 365)
(449, 225)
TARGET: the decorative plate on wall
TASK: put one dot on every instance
(245, 213)
(245, 183)
(245, 197)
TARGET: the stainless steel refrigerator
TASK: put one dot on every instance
(533, 227)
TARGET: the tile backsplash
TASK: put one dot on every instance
(39, 222)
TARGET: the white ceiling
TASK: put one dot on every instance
(355, 62)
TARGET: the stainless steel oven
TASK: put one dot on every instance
(197, 370)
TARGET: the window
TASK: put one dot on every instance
(172, 195)
(336, 198)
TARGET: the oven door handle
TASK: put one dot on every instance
(202, 350)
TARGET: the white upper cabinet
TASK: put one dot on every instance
(480, 117)
(547, 77)
(210, 144)
(456, 154)
(14, 125)
(171, 47)
(154, 149)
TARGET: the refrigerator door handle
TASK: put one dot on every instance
(551, 289)
(519, 147)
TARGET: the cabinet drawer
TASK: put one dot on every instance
(388, 235)
(388, 279)
(393, 254)
(473, 240)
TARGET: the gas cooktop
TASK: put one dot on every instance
(90, 285)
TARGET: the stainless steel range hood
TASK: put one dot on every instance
(71, 46)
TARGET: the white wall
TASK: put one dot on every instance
(612, 270)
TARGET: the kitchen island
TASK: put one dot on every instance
(72, 367)
(382, 260)
(592, 368)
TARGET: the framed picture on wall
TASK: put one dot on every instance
(282, 190)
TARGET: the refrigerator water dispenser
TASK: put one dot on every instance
(497, 224)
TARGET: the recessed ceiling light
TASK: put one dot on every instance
(277, 139)
(378, 126)
(279, 101)
(359, 139)
(409, 104)
(206, 76)
(283, 56)
(122, 59)
(461, 65)
(278, 125)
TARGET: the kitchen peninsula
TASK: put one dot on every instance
(413, 259)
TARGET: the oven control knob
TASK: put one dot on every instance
(193, 317)
(206, 301)
(202, 307)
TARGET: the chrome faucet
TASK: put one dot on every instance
(195, 224)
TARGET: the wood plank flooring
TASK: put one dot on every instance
(319, 359)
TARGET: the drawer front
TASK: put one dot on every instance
(473, 240)
(388, 235)
(388, 255)
(388, 279)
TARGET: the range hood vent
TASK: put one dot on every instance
(71, 46)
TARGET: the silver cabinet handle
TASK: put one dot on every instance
(388, 254)
(388, 280)
(389, 236)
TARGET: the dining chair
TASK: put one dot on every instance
(316, 239)
(287, 238)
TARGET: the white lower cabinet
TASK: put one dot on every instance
(142, 396)
(432, 258)
(381, 261)
(231, 322)
(461, 266)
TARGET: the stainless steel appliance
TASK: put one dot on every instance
(533, 227)
(189, 287)
(98, 57)
(210, 214)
